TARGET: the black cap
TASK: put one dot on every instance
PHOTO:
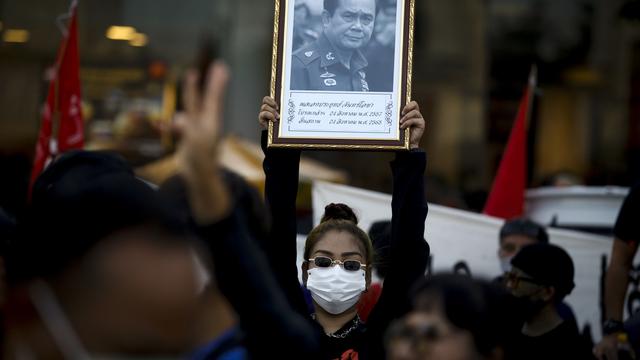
(80, 199)
(547, 264)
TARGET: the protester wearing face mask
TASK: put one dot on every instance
(338, 254)
(516, 234)
(336, 285)
(541, 277)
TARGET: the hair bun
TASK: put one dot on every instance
(339, 212)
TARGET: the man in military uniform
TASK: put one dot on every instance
(334, 62)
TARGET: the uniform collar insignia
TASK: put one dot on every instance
(327, 74)
(308, 54)
(330, 82)
(329, 57)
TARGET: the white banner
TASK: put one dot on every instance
(456, 235)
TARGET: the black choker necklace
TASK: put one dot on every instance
(355, 323)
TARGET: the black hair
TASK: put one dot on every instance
(484, 309)
(380, 235)
(339, 217)
(339, 212)
(81, 199)
(524, 227)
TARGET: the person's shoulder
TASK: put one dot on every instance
(625, 228)
(565, 331)
(307, 54)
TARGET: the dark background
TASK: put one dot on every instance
(472, 59)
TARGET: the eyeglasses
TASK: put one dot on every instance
(325, 262)
(514, 279)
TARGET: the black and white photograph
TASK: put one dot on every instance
(349, 46)
(341, 72)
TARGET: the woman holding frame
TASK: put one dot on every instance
(338, 254)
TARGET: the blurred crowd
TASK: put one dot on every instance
(102, 264)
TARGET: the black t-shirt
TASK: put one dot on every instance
(563, 342)
(348, 342)
(627, 227)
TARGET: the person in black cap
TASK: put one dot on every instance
(100, 266)
(541, 277)
(515, 234)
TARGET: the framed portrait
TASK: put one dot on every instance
(341, 73)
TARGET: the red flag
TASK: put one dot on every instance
(71, 130)
(63, 103)
(506, 199)
(43, 148)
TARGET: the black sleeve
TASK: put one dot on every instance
(409, 253)
(626, 227)
(243, 276)
(281, 168)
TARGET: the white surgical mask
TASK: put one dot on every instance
(336, 289)
(62, 332)
(505, 264)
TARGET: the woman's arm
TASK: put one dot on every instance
(409, 253)
(281, 168)
(241, 270)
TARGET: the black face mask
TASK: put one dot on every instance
(528, 307)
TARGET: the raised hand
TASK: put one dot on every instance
(412, 119)
(198, 150)
(268, 112)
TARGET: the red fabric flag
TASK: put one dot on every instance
(43, 148)
(63, 99)
(71, 130)
(506, 199)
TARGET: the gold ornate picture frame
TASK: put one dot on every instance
(325, 104)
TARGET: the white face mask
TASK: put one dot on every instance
(61, 330)
(505, 264)
(336, 289)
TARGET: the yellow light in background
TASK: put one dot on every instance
(126, 33)
(16, 36)
(139, 40)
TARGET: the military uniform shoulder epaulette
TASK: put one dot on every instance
(307, 54)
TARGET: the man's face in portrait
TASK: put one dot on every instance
(351, 25)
